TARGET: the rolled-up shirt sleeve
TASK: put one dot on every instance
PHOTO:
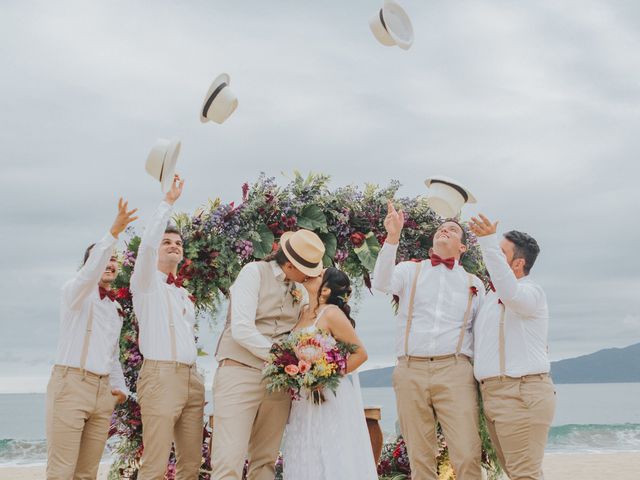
(387, 276)
(244, 304)
(146, 267)
(523, 298)
(86, 280)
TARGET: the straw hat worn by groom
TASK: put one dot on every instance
(264, 306)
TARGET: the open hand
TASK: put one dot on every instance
(176, 190)
(483, 226)
(123, 218)
(393, 223)
(119, 394)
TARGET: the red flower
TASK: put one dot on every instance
(273, 227)
(357, 238)
(123, 293)
(245, 191)
(474, 291)
(398, 451)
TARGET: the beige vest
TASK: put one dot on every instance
(275, 318)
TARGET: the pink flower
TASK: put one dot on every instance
(291, 370)
(304, 367)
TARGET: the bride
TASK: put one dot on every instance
(330, 441)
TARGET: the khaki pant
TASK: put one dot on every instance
(78, 413)
(248, 421)
(171, 398)
(445, 391)
(519, 412)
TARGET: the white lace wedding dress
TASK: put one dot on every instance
(329, 441)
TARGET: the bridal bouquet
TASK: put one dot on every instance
(307, 362)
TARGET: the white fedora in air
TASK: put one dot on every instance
(391, 25)
(220, 101)
(161, 162)
(447, 196)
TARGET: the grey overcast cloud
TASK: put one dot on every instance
(534, 105)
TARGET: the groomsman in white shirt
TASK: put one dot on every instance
(87, 380)
(511, 361)
(170, 389)
(433, 378)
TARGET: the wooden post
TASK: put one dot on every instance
(373, 416)
(211, 437)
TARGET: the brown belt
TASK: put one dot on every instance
(524, 378)
(433, 358)
(233, 363)
(64, 369)
(167, 363)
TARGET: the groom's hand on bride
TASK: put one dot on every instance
(482, 227)
(393, 223)
(176, 190)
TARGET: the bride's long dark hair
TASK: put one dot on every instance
(340, 285)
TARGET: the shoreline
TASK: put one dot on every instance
(557, 466)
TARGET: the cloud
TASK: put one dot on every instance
(533, 105)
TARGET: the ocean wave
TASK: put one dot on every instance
(562, 439)
(22, 452)
(32, 452)
(594, 438)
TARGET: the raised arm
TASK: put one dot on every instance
(387, 278)
(244, 304)
(340, 327)
(524, 298)
(146, 267)
(87, 278)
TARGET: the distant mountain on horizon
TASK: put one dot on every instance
(611, 365)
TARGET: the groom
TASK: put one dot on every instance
(264, 306)
(433, 378)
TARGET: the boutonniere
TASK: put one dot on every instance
(296, 294)
(474, 291)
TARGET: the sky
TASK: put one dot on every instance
(535, 106)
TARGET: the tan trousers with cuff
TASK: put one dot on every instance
(171, 398)
(78, 413)
(439, 390)
(519, 413)
(249, 421)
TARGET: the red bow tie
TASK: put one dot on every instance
(177, 281)
(106, 293)
(447, 262)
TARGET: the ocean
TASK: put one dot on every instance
(589, 418)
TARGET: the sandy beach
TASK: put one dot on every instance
(579, 466)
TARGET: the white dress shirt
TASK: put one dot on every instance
(245, 292)
(525, 324)
(153, 297)
(79, 296)
(439, 307)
